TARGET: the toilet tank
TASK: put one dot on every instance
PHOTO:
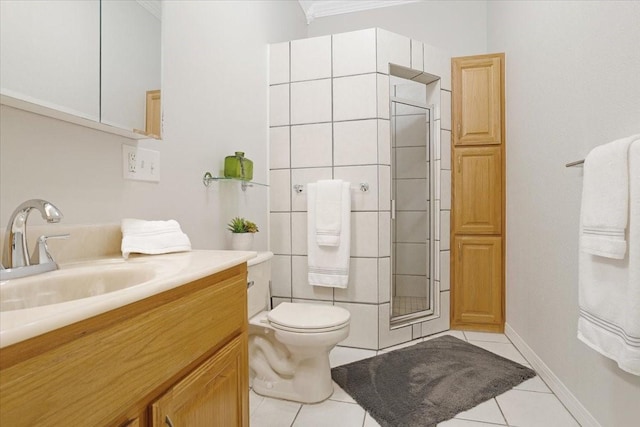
(259, 278)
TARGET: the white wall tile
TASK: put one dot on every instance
(360, 200)
(280, 236)
(411, 194)
(279, 190)
(445, 217)
(411, 258)
(279, 148)
(386, 336)
(281, 276)
(279, 105)
(417, 53)
(300, 287)
(445, 149)
(311, 58)
(364, 234)
(392, 48)
(363, 329)
(354, 97)
(445, 99)
(299, 233)
(311, 102)
(304, 177)
(363, 282)
(354, 52)
(384, 279)
(384, 236)
(279, 63)
(412, 227)
(355, 142)
(384, 142)
(442, 323)
(311, 145)
(438, 63)
(445, 270)
(445, 189)
(384, 191)
(382, 85)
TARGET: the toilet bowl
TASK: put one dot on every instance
(289, 346)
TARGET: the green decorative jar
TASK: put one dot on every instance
(238, 166)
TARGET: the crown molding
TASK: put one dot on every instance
(318, 8)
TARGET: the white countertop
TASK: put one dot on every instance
(172, 270)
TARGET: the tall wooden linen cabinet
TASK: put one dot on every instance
(478, 193)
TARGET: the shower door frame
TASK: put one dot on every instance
(434, 223)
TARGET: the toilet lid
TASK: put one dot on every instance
(308, 317)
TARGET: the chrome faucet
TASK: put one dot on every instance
(16, 261)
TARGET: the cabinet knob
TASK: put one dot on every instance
(168, 421)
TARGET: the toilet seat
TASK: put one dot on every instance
(308, 318)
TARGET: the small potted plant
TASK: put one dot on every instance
(242, 231)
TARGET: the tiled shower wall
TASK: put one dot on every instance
(329, 118)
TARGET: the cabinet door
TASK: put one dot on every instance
(214, 395)
(477, 190)
(477, 99)
(477, 289)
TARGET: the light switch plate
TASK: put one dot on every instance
(140, 164)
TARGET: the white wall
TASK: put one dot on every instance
(458, 27)
(573, 82)
(215, 102)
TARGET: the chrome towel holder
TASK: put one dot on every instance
(363, 186)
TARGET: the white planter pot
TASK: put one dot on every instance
(241, 241)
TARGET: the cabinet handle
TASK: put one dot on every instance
(168, 422)
(459, 251)
(250, 283)
(459, 129)
(459, 163)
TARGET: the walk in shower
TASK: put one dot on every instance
(413, 255)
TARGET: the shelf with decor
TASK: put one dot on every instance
(208, 178)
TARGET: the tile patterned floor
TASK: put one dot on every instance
(530, 404)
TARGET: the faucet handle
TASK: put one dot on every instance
(41, 255)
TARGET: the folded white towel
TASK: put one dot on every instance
(605, 199)
(609, 289)
(152, 237)
(328, 212)
(329, 265)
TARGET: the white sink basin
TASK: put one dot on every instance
(71, 284)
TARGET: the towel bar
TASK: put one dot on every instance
(576, 163)
(363, 186)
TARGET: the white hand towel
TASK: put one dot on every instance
(152, 237)
(329, 265)
(609, 289)
(328, 212)
(605, 199)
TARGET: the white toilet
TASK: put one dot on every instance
(289, 346)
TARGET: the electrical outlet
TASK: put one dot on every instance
(140, 164)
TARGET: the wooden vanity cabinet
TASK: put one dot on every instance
(180, 354)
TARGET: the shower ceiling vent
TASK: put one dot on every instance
(318, 8)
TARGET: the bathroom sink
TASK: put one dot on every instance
(71, 284)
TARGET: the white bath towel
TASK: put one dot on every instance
(152, 237)
(609, 289)
(329, 265)
(605, 199)
(328, 212)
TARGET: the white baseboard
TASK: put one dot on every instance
(572, 404)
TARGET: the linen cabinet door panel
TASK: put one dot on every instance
(477, 99)
(214, 395)
(477, 192)
(477, 291)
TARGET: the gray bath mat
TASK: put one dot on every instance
(428, 382)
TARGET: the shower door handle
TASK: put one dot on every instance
(393, 209)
